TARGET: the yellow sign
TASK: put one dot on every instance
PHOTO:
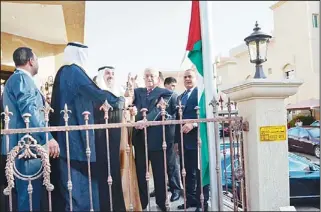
(273, 133)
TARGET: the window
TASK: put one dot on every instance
(303, 133)
(289, 74)
(315, 20)
(293, 132)
(270, 70)
(314, 132)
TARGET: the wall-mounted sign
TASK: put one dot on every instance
(273, 133)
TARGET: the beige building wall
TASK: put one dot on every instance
(49, 56)
(294, 46)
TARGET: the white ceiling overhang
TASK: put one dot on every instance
(44, 23)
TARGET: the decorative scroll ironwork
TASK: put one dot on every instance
(24, 151)
(6, 115)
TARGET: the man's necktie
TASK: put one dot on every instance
(185, 97)
(148, 91)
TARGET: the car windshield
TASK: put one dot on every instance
(315, 132)
(315, 124)
(300, 163)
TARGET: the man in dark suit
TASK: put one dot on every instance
(149, 98)
(172, 162)
(189, 100)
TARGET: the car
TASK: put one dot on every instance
(220, 128)
(315, 124)
(305, 139)
(224, 130)
(304, 176)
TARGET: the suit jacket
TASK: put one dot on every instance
(154, 133)
(170, 130)
(73, 87)
(189, 112)
(21, 95)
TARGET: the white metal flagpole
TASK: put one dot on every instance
(210, 85)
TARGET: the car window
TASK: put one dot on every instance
(236, 165)
(315, 124)
(293, 132)
(314, 132)
(297, 165)
(303, 133)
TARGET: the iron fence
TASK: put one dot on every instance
(230, 162)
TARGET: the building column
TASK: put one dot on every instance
(261, 103)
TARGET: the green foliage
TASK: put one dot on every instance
(306, 120)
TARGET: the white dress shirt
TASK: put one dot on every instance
(26, 72)
(189, 94)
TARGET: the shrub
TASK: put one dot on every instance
(306, 120)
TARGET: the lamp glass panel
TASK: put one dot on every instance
(262, 49)
(252, 50)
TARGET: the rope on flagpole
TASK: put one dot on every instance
(185, 54)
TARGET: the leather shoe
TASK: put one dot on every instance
(152, 194)
(181, 207)
(175, 196)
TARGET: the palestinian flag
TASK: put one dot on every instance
(194, 49)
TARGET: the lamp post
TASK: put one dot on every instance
(49, 84)
(48, 89)
(258, 43)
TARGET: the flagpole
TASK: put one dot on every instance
(210, 85)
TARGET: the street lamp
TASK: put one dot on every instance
(49, 84)
(258, 43)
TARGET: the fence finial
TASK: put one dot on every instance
(144, 111)
(6, 114)
(26, 118)
(214, 103)
(162, 104)
(229, 105)
(86, 115)
(66, 111)
(106, 107)
(47, 109)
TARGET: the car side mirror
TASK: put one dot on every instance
(306, 137)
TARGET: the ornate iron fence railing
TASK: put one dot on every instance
(229, 126)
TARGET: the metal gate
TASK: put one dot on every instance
(230, 130)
